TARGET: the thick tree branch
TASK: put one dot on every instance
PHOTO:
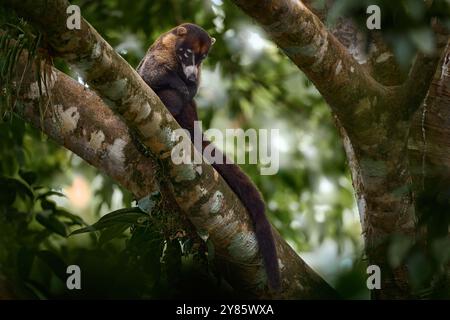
(379, 60)
(373, 122)
(429, 156)
(421, 75)
(344, 29)
(341, 80)
(79, 120)
(419, 80)
(200, 192)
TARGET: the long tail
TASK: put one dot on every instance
(250, 197)
(248, 194)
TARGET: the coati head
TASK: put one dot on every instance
(191, 48)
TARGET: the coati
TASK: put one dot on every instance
(171, 68)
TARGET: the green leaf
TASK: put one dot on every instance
(84, 230)
(72, 217)
(110, 233)
(18, 186)
(49, 220)
(123, 217)
(51, 193)
(54, 262)
(36, 289)
(24, 188)
(25, 258)
(48, 205)
(29, 176)
(8, 195)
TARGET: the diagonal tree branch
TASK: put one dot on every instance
(341, 80)
(379, 60)
(422, 73)
(78, 119)
(201, 193)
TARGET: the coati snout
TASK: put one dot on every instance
(192, 47)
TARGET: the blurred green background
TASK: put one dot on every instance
(246, 83)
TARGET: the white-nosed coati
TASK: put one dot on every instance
(171, 68)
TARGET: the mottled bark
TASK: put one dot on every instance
(429, 154)
(373, 105)
(374, 54)
(201, 193)
(76, 118)
(341, 80)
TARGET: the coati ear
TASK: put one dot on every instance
(181, 31)
(213, 40)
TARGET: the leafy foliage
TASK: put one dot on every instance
(16, 37)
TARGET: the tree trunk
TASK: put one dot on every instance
(374, 105)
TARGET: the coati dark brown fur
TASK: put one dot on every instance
(171, 68)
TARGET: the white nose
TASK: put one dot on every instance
(190, 72)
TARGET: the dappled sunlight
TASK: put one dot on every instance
(79, 193)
